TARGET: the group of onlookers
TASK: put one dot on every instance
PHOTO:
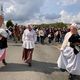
(52, 34)
(48, 35)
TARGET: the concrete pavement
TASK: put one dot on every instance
(44, 65)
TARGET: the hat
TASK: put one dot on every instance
(74, 38)
(74, 25)
(3, 33)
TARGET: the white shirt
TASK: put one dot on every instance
(29, 38)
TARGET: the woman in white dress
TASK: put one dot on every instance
(29, 38)
(67, 59)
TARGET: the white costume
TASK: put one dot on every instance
(29, 39)
(67, 59)
(66, 42)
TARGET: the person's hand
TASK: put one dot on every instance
(0, 38)
(61, 51)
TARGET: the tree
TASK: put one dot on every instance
(9, 23)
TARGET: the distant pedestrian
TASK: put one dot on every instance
(41, 34)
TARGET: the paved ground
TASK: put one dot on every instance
(44, 65)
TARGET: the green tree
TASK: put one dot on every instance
(9, 23)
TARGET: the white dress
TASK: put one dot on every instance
(29, 38)
(69, 61)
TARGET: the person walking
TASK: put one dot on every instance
(28, 38)
(3, 41)
(3, 45)
(69, 57)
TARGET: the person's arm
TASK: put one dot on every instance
(65, 42)
(35, 36)
(23, 37)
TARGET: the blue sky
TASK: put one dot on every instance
(41, 11)
(52, 6)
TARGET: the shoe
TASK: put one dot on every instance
(4, 62)
(29, 64)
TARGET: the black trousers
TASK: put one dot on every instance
(42, 39)
(73, 77)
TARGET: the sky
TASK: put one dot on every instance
(41, 11)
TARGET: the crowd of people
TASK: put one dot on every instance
(43, 34)
(52, 34)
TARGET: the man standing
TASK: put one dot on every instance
(28, 38)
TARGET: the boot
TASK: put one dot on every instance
(29, 64)
(4, 62)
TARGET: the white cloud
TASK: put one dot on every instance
(67, 2)
(10, 9)
(67, 18)
(28, 11)
(21, 10)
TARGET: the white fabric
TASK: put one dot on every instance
(29, 39)
(9, 32)
(69, 61)
(3, 32)
(41, 33)
(79, 31)
(74, 24)
(66, 42)
(1, 51)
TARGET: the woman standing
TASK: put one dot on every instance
(29, 38)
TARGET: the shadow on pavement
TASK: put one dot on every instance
(37, 66)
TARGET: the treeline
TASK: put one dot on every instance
(53, 25)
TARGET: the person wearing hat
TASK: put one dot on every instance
(69, 57)
(3, 45)
(3, 41)
(73, 30)
(28, 38)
